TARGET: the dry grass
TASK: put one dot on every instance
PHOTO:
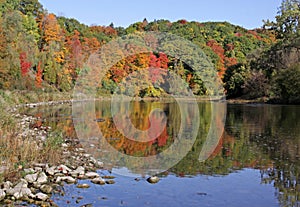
(16, 152)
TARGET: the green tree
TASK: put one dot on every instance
(234, 80)
(286, 85)
(287, 20)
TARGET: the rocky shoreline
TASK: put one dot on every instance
(41, 180)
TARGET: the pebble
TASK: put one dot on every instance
(153, 179)
(110, 182)
(99, 181)
(92, 175)
(46, 189)
(83, 185)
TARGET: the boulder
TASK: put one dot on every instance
(91, 175)
(31, 178)
(46, 189)
(98, 180)
(42, 178)
(41, 196)
(2, 194)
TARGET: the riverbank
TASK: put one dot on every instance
(55, 160)
(35, 161)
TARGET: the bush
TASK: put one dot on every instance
(286, 85)
(256, 85)
(234, 80)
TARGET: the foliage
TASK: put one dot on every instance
(286, 85)
(256, 85)
(234, 79)
(56, 49)
(287, 20)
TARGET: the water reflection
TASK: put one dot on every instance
(263, 137)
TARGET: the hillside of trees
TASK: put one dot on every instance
(42, 51)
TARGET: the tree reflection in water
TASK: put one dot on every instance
(265, 137)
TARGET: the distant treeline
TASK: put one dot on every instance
(40, 51)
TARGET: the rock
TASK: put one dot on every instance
(22, 184)
(93, 160)
(98, 180)
(79, 171)
(110, 182)
(64, 169)
(51, 170)
(108, 177)
(46, 189)
(87, 155)
(91, 175)
(38, 169)
(7, 185)
(41, 196)
(87, 205)
(153, 179)
(2, 194)
(64, 145)
(29, 171)
(67, 179)
(20, 190)
(31, 178)
(84, 185)
(42, 178)
(99, 164)
(40, 165)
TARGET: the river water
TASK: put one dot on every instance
(249, 154)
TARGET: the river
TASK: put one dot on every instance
(250, 152)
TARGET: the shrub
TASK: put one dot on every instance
(286, 85)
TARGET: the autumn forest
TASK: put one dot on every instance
(42, 51)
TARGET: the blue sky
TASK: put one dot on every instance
(246, 13)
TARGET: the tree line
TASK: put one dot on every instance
(42, 51)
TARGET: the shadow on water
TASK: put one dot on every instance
(257, 158)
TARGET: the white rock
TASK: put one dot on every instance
(7, 185)
(38, 169)
(93, 160)
(98, 180)
(64, 169)
(64, 145)
(20, 190)
(51, 170)
(42, 178)
(21, 193)
(41, 196)
(22, 184)
(79, 171)
(99, 164)
(92, 175)
(31, 178)
(2, 194)
(67, 179)
(29, 171)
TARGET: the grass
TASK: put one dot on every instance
(17, 152)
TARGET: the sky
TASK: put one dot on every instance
(245, 13)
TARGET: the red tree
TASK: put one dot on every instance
(38, 76)
(25, 65)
